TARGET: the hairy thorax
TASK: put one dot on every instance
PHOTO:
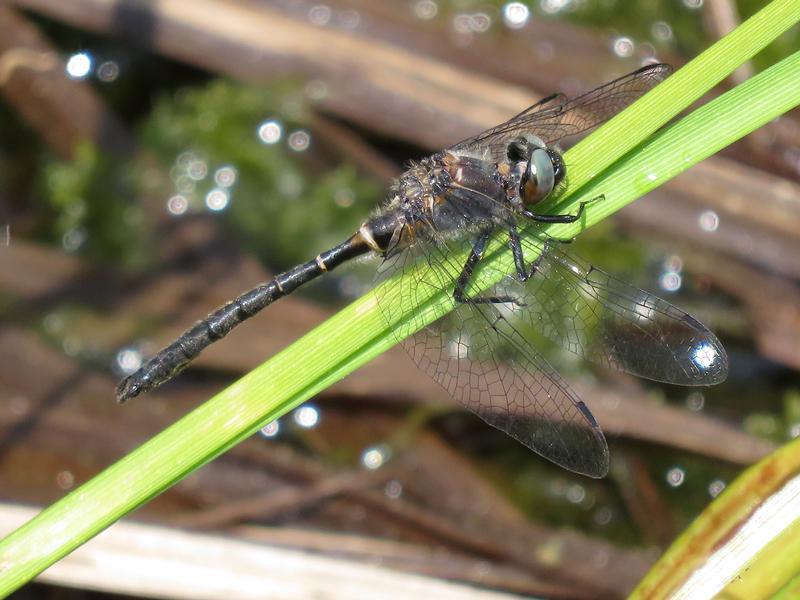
(449, 193)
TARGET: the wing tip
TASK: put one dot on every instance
(598, 467)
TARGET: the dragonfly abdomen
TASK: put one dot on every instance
(174, 358)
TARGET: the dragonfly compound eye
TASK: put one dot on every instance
(539, 178)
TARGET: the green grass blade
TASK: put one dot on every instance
(359, 332)
(598, 151)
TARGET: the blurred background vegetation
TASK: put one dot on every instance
(156, 162)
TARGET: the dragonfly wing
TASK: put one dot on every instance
(557, 116)
(479, 357)
(614, 324)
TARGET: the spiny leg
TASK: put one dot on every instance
(459, 293)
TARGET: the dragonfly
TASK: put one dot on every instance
(457, 203)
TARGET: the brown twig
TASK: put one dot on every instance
(265, 507)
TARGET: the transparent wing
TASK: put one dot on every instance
(476, 353)
(614, 324)
(557, 116)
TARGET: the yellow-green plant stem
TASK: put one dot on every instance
(599, 150)
(744, 545)
(360, 332)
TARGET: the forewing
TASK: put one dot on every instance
(619, 326)
(479, 357)
(557, 116)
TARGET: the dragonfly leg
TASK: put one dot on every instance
(519, 260)
(459, 293)
(561, 218)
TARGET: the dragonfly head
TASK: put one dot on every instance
(540, 168)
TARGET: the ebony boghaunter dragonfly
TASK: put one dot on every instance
(481, 352)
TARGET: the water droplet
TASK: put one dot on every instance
(705, 355)
(661, 31)
(177, 204)
(552, 7)
(375, 457)
(65, 480)
(306, 416)
(715, 488)
(73, 239)
(217, 199)
(393, 489)
(299, 140)
(320, 15)
(426, 9)
(225, 176)
(271, 429)
(349, 19)
(693, 4)
(197, 170)
(461, 24)
(516, 15)
(79, 65)
(670, 281)
(128, 360)
(480, 22)
(676, 476)
(708, 221)
(270, 131)
(108, 71)
(623, 46)
(576, 493)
